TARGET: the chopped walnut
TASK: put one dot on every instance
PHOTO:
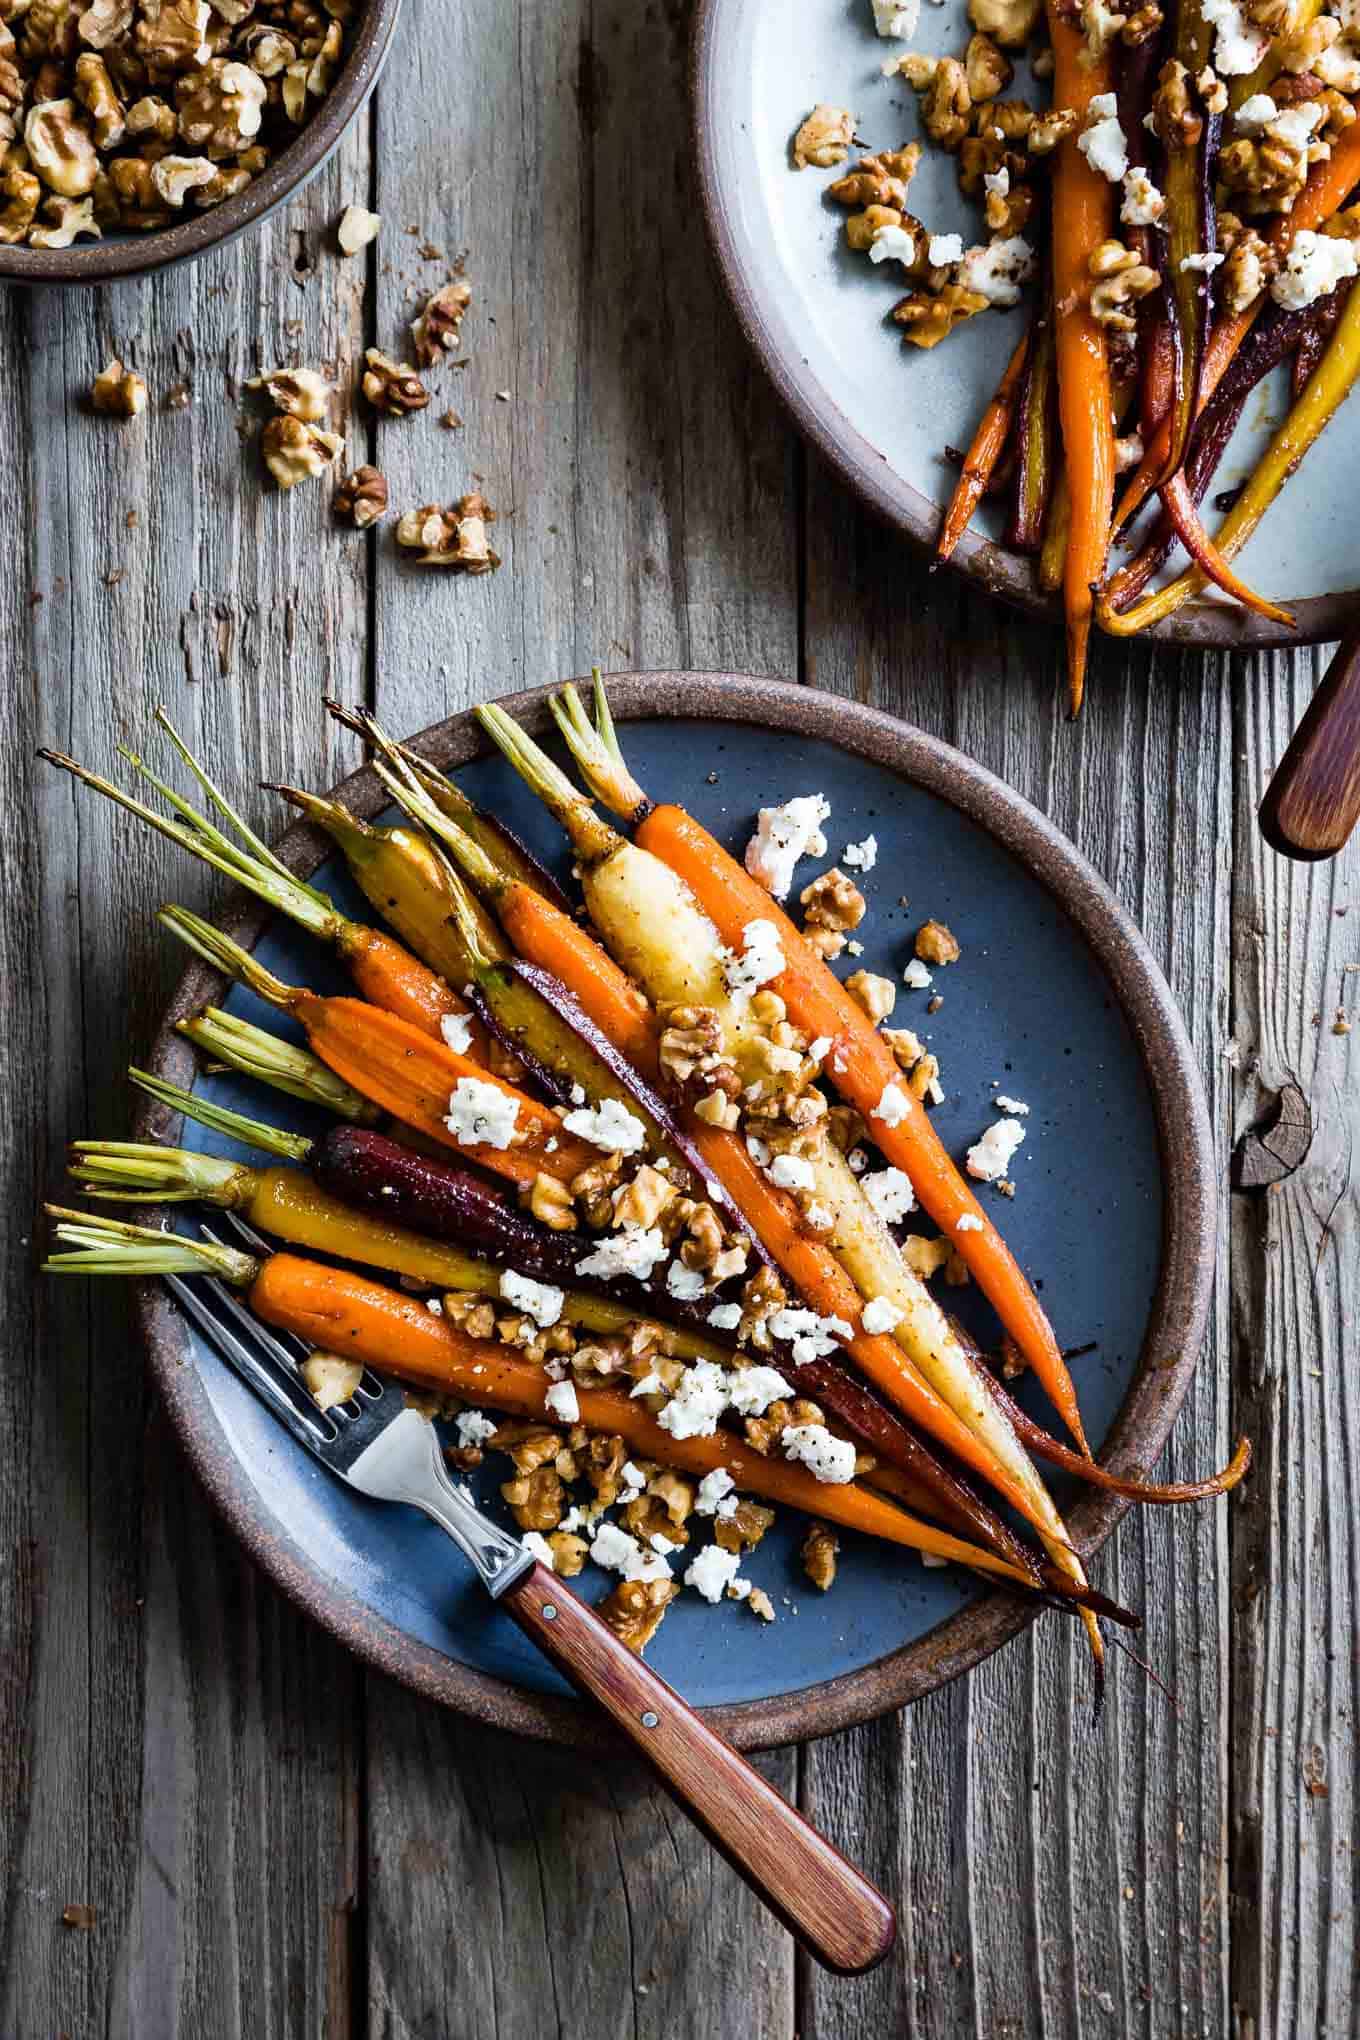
(1100, 25)
(863, 228)
(536, 1499)
(294, 451)
(1212, 91)
(692, 1048)
(94, 90)
(1050, 129)
(118, 391)
(878, 180)
(361, 497)
(935, 943)
(1250, 264)
(1120, 280)
(824, 139)
(635, 1609)
(172, 37)
(924, 1081)
(715, 1108)
(986, 71)
(593, 1186)
(21, 192)
(877, 995)
(550, 1202)
(105, 22)
(604, 1460)
(744, 1526)
(759, 1603)
(471, 1314)
(61, 147)
(763, 1295)
(1267, 173)
(844, 1127)
(907, 1047)
(1304, 48)
(297, 392)
(392, 387)
(925, 1257)
(946, 101)
(70, 218)
(763, 1433)
(642, 1200)
(454, 538)
(356, 229)
(176, 176)
(1175, 120)
(436, 331)
(570, 1553)
(1010, 23)
(221, 106)
(931, 317)
(819, 1554)
(527, 1443)
(832, 905)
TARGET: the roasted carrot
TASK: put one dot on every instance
(404, 1071)
(984, 453)
(383, 971)
(862, 1068)
(1083, 214)
(340, 1312)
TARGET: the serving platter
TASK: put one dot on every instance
(1056, 1000)
(881, 412)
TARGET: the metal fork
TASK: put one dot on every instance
(387, 1450)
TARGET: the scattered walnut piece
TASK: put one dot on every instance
(78, 1915)
(454, 538)
(356, 229)
(330, 1379)
(759, 1603)
(824, 139)
(1100, 25)
(819, 1554)
(1176, 120)
(294, 451)
(877, 995)
(1010, 23)
(536, 1499)
(743, 1528)
(550, 1202)
(986, 71)
(925, 1257)
(1250, 264)
(936, 944)
(21, 191)
(61, 147)
(118, 391)
(931, 316)
(635, 1609)
(1119, 280)
(1050, 128)
(832, 905)
(436, 331)
(878, 180)
(569, 1553)
(392, 387)
(296, 392)
(361, 497)
(71, 217)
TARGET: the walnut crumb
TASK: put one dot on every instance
(936, 944)
(635, 1609)
(454, 538)
(119, 392)
(356, 229)
(361, 497)
(824, 139)
(392, 387)
(293, 451)
(436, 331)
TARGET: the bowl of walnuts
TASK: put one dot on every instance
(135, 133)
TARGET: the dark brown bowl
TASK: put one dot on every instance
(138, 254)
(1174, 1327)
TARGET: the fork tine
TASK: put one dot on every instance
(246, 1233)
(249, 1361)
(282, 1347)
(370, 1384)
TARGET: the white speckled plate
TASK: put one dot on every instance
(882, 412)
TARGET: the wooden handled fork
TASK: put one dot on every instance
(1313, 801)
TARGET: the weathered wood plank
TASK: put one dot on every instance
(1053, 1880)
(646, 517)
(1296, 1288)
(181, 1753)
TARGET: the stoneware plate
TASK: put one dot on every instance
(882, 412)
(1056, 999)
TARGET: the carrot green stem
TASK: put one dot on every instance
(109, 1246)
(225, 955)
(257, 1133)
(255, 1052)
(129, 1172)
(592, 839)
(595, 748)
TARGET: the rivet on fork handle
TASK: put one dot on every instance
(1313, 801)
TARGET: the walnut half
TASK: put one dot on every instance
(392, 387)
(454, 538)
(118, 391)
(361, 497)
(294, 451)
(824, 139)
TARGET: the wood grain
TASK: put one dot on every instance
(1313, 800)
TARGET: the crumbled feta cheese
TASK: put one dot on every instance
(970, 1222)
(757, 1149)
(739, 1590)
(858, 1161)
(578, 1094)
(1143, 204)
(1255, 114)
(473, 1428)
(662, 1545)
(753, 1389)
(685, 1284)
(896, 18)
(761, 958)
(542, 1302)
(632, 1476)
(892, 1108)
(537, 1543)
(820, 1049)
(456, 1029)
(880, 1314)
(821, 1216)
(792, 1172)
(861, 856)
(916, 977)
(997, 183)
(892, 244)
(693, 1411)
(831, 1459)
(997, 271)
(608, 1125)
(712, 1572)
(1239, 45)
(617, 1552)
(482, 1115)
(890, 1193)
(1102, 141)
(713, 1488)
(650, 1384)
(1202, 265)
(633, 1251)
(783, 835)
(1315, 265)
(725, 1317)
(990, 1157)
(434, 1306)
(1014, 1106)
(561, 1402)
(812, 1336)
(944, 249)
(1295, 126)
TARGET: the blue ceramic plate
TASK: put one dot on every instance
(1054, 1001)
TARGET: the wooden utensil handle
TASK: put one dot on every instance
(836, 1914)
(1313, 801)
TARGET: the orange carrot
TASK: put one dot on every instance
(387, 975)
(347, 1314)
(984, 453)
(1329, 185)
(1083, 215)
(862, 1066)
(544, 935)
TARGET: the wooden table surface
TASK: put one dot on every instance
(273, 1842)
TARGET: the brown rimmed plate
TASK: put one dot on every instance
(881, 413)
(1056, 1001)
